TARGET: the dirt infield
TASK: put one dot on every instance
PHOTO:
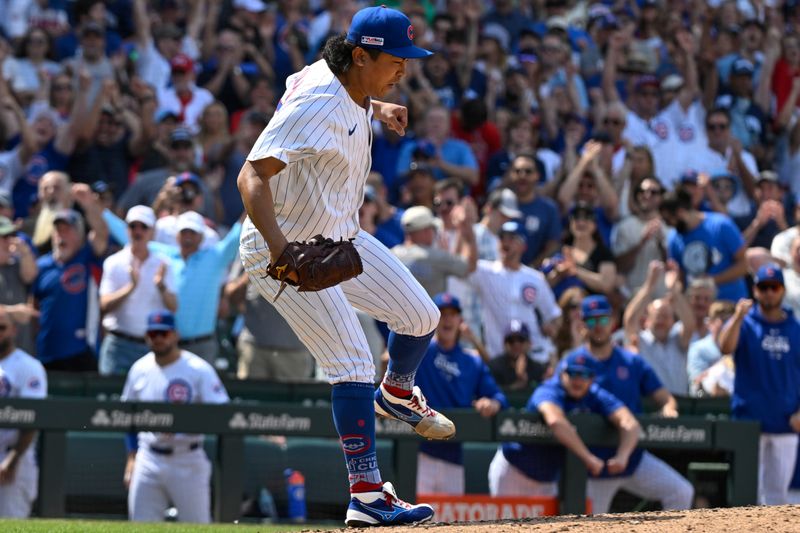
(782, 519)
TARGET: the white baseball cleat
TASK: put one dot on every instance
(414, 411)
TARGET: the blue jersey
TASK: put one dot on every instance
(542, 221)
(767, 383)
(454, 378)
(708, 250)
(542, 462)
(67, 294)
(628, 377)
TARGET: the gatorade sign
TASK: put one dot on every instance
(478, 507)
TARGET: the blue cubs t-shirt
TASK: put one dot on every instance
(542, 221)
(64, 293)
(542, 462)
(709, 249)
(453, 378)
(767, 382)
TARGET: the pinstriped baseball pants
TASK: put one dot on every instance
(326, 321)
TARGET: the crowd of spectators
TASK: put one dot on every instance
(647, 151)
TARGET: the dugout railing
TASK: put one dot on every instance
(54, 417)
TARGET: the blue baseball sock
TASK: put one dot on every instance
(354, 417)
(405, 355)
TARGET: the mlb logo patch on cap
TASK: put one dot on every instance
(386, 29)
(372, 41)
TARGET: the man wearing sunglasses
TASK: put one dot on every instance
(765, 342)
(164, 468)
(135, 282)
(641, 237)
(629, 378)
(533, 469)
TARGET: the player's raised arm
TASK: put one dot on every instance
(254, 187)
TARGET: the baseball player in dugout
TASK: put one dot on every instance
(629, 378)
(304, 180)
(166, 469)
(765, 342)
(455, 378)
(21, 376)
(533, 469)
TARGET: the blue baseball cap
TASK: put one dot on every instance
(512, 227)
(385, 29)
(595, 305)
(689, 176)
(445, 300)
(161, 320)
(769, 273)
(580, 363)
(187, 177)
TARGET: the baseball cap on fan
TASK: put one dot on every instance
(385, 29)
(192, 221)
(161, 320)
(142, 214)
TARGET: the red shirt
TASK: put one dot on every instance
(484, 141)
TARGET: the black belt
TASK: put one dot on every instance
(170, 451)
(127, 337)
(195, 340)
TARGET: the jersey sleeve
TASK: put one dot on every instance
(299, 129)
(546, 302)
(545, 393)
(35, 384)
(649, 382)
(603, 402)
(478, 277)
(128, 393)
(211, 388)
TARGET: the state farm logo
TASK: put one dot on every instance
(121, 419)
(257, 421)
(523, 428)
(679, 434)
(17, 416)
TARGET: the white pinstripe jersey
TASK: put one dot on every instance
(324, 138)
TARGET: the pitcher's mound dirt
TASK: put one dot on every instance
(779, 519)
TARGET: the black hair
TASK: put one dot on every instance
(455, 35)
(338, 53)
(450, 183)
(719, 111)
(473, 113)
(680, 198)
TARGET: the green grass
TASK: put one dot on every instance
(97, 526)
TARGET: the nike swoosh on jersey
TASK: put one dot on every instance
(350, 132)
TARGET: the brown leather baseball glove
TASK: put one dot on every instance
(316, 264)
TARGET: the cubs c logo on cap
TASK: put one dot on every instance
(410, 32)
